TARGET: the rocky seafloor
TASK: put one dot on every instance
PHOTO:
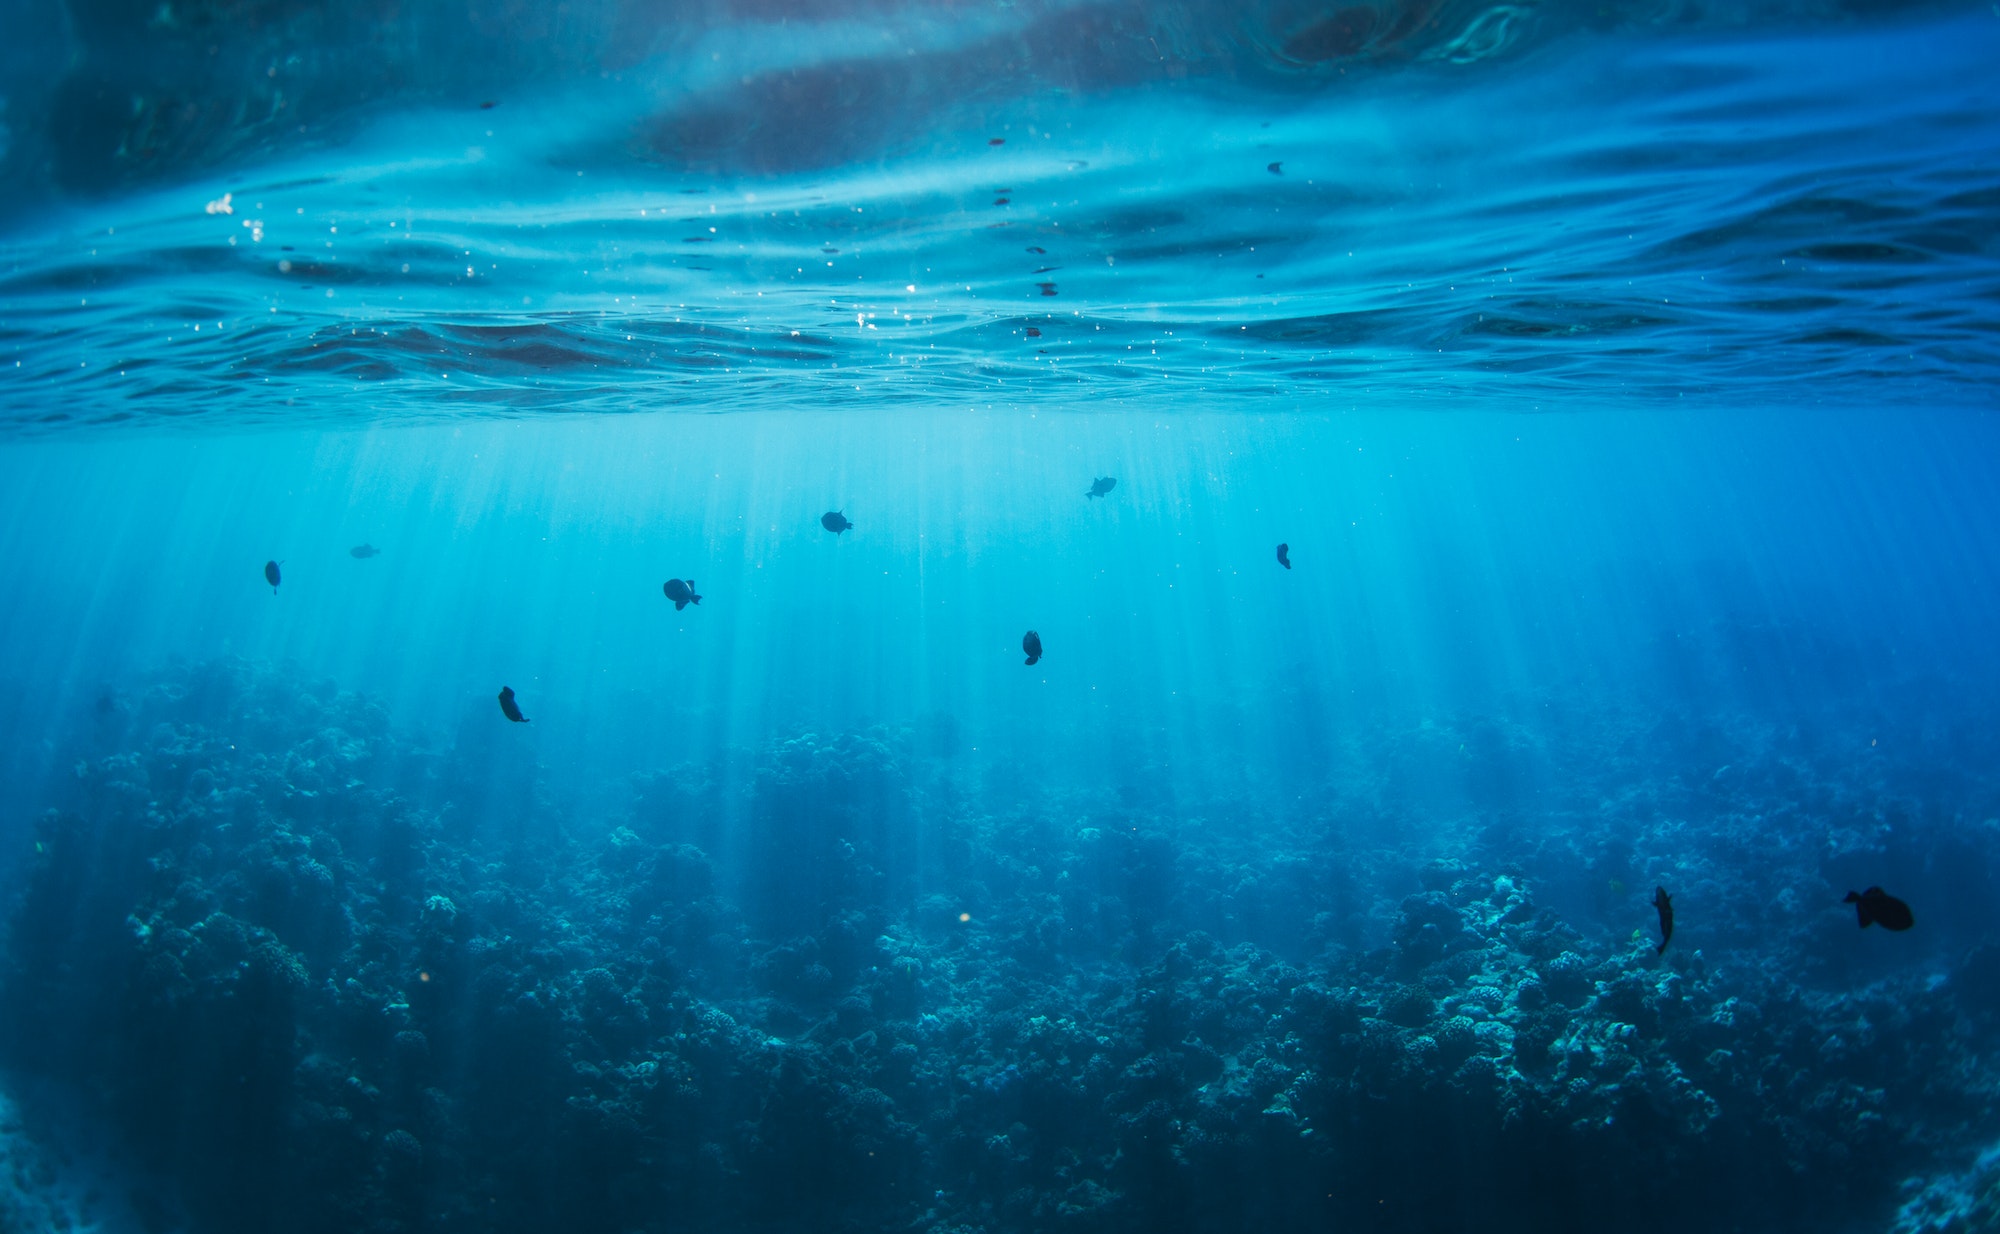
(302, 971)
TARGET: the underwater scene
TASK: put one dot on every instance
(991, 616)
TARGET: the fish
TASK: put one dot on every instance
(272, 576)
(1034, 333)
(1285, 556)
(1665, 903)
(681, 592)
(1877, 907)
(1031, 643)
(510, 708)
(835, 522)
(1048, 289)
(1276, 169)
(1102, 485)
(364, 551)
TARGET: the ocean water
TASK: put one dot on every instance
(1619, 380)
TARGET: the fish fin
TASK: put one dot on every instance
(679, 605)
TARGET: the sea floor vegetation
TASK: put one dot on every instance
(307, 972)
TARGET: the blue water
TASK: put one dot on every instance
(1619, 378)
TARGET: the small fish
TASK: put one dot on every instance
(1665, 903)
(1285, 556)
(1034, 333)
(681, 592)
(1877, 907)
(489, 105)
(1001, 201)
(272, 576)
(1031, 643)
(1276, 169)
(1035, 248)
(1048, 289)
(1102, 485)
(996, 141)
(364, 551)
(835, 522)
(510, 708)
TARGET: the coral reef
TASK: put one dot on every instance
(325, 977)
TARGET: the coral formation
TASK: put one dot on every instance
(324, 977)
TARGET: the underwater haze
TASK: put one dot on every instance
(1064, 617)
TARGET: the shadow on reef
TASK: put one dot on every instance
(321, 977)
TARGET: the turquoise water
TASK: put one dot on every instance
(1619, 380)
(1771, 216)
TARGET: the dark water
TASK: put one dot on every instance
(1620, 379)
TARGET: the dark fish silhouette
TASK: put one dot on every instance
(1276, 169)
(1102, 485)
(681, 592)
(835, 522)
(1285, 556)
(1877, 907)
(1665, 903)
(271, 575)
(1031, 643)
(364, 551)
(510, 708)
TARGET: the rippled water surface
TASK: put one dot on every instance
(1772, 214)
(1297, 616)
